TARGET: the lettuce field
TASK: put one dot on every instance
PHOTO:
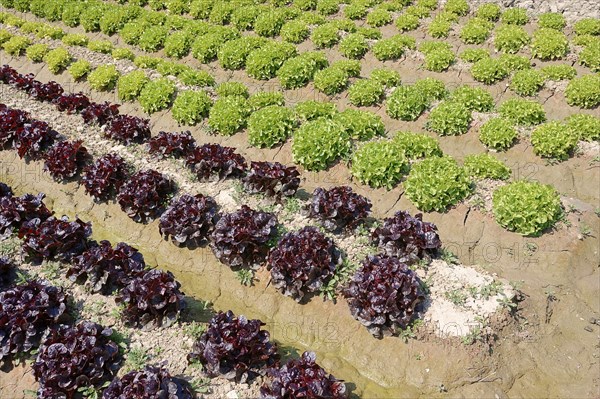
(299, 199)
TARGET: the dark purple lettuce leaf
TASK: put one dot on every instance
(240, 238)
(383, 295)
(152, 297)
(54, 238)
(26, 312)
(338, 208)
(272, 178)
(45, 91)
(144, 195)
(407, 238)
(189, 220)
(302, 262)
(103, 267)
(5, 190)
(128, 129)
(167, 144)
(72, 103)
(7, 272)
(214, 162)
(65, 159)
(33, 138)
(14, 211)
(99, 113)
(22, 82)
(105, 176)
(302, 378)
(75, 357)
(8, 74)
(235, 348)
(11, 120)
(150, 383)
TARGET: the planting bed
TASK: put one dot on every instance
(422, 221)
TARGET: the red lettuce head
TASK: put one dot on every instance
(11, 120)
(189, 220)
(65, 159)
(338, 208)
(152, 297)
(128, 129)
(105, 177)
(302, 378)
(383, 295)
(240, 238)
(103, 267)
(235, 348)
(54, 239)
(72, 103)
(99, 114)
(45, 91)
(33, 138)
(214, 162)
(151, 382)
(272, 179)
(407, 238)
(303, 262)
(15, 211)
(75, 357)
(176, 145)
(144, 195)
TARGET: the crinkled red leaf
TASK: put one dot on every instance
(65, 159)
(189, 220)
(235, 348)
(167, 144)
(105, 176)
(144, 195)
(214, 162)
(338, 208)
(75, 357)
(150, 383)
(383, 295)
(302, 262)
(240, 238)
(302, 378)
(152, 297)
(407, 238)
(26, 312)
(272, 178)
